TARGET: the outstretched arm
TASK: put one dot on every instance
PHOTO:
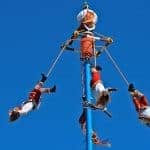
(48, 90)
(74, 36)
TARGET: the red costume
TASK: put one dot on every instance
(140, 102)
(35, 95)
(96, 77)
(87, 47)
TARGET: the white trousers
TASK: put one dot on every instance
(146, 113)
(144, 116)
(99, 88)
(26, 108)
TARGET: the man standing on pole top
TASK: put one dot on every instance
(87, 19)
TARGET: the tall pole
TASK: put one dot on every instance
(89, 144)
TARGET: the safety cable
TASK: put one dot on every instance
(54, 63)
(116, 66)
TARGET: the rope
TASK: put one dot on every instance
(54, 63)
(100, 35)
(82, 79)
(94, 49)
(116, 66)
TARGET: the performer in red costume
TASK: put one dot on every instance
(141, 104)
(33, 100)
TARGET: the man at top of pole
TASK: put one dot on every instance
(87, 19)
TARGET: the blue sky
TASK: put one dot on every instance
(31, 33)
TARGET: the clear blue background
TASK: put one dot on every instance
(31, 32)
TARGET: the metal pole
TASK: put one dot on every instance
(89, 144)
